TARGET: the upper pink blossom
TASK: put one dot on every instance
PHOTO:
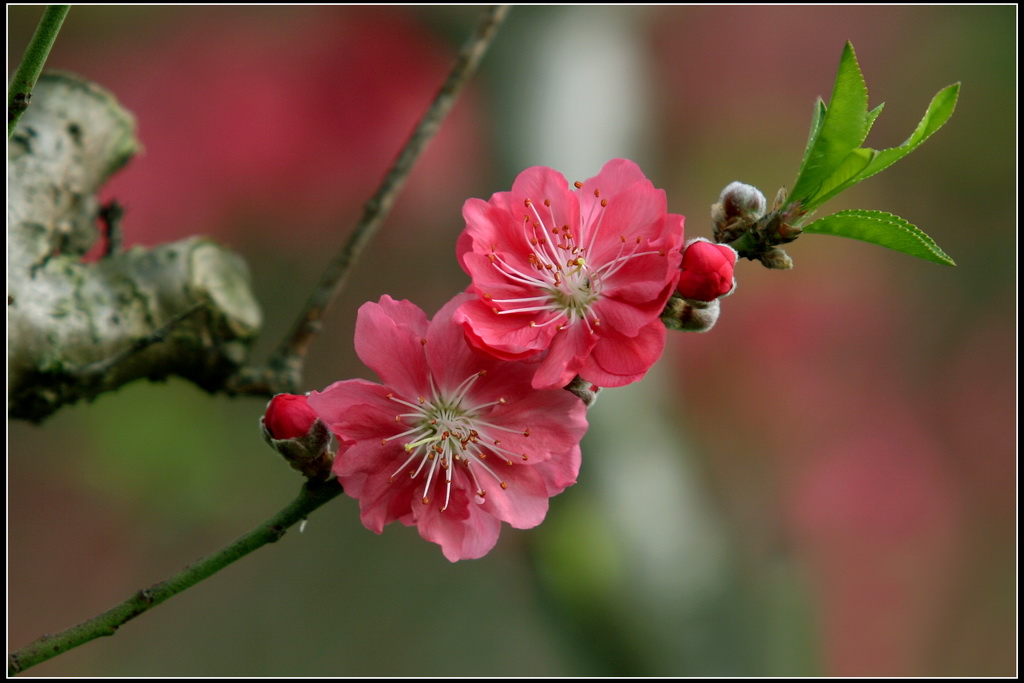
(707, 270)
(582, 273)
(454, 441)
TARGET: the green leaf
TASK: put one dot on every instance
(819, 114)
(884, 229)
(843, 176)
(844, 125)
(833, 159)
(872, 115)
(939, 111)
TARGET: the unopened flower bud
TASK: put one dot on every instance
(688, 315)
(740, 199)
(738, 209)
(288, 416)
(776, 258)
(695, 315)
(292, 428)
(787, 232)
(707, 270)
(586, 391)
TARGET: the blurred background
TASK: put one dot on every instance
(824, 484)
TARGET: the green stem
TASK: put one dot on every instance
(311, 497)
(19, 92)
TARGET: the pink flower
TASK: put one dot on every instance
(454, 441)
(580, 274)
(707, 270)
(288, 416)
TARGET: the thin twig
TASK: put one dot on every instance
(311, 497)
(19, 92)
(284, 369)
(110, 217)
(287, 360)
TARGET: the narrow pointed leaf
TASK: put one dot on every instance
(843, 128)
(819, 114)
(881, 228)
(872, 115)
(939, 111)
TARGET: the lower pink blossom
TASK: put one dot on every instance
(707, 270)
(453, 441)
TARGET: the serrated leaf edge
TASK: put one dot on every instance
(891, 220)
(906, 147)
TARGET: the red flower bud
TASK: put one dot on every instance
(288, 417)
(293, 429)
(707, 270)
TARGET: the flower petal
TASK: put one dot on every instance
(619, 360)
(509, 337)
(467, 536)
(389, 330)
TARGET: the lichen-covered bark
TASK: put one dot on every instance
(78, 329)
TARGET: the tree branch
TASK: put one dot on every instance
(312, 496)
(67, 318)
(19, 92)
(283, 371)
(285, 366)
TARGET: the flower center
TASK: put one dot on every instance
(449, 430)
(568, 283)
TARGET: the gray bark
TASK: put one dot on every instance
(78, 329)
